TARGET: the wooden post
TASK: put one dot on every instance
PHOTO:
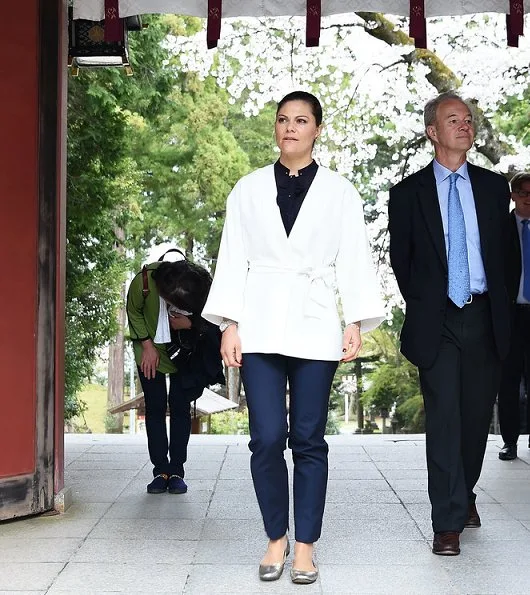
(359, 391)
(116, 367)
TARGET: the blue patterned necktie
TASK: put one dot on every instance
(458, 266)
(525, 236)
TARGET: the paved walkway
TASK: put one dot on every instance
(376, 537)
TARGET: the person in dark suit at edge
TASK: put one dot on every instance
(517, 363)
(448, 227)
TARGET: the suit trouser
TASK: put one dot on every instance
(514, 368)
(156, 398)
(265, 379)
(459, 390)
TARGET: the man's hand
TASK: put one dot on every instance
(150, 359)
(178, 322)
(231, 347)
(351, 342)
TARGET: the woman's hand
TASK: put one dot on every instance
(231, 347)
(150, 359)
(351, 342)
(178, 322)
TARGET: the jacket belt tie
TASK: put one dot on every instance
(319, 283)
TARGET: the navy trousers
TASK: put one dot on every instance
(265, 379)
(515, 366)
(156, 401)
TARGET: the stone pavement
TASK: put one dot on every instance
(376, 535)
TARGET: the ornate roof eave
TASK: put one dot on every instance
(313, 10)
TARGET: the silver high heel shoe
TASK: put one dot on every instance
(272, 572)
(304, 577)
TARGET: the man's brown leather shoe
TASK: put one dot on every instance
(446, 543)
(473, 518)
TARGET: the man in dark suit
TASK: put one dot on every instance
(448, 224)
(517, 363)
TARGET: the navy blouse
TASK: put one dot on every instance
(292, 190)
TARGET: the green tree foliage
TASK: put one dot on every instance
(411, 414)
(96, 161)
(229, 422)
(513, 117)
(254, 134)
(191, 162)
(393, 381)
(102, 184)
(149, 155)
(332, 424)
(391, 384)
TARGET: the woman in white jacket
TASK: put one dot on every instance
(294, 233)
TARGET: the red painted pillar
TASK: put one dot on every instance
(32, 198)
(19, 122)
(62, 82)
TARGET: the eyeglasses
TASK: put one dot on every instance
(173, 311)
(522, 193)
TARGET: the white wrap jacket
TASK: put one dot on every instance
(282, 289)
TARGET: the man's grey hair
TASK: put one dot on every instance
(429, 113)
(519, 179)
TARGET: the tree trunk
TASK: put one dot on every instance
(116, 368)
(189, 246)
(116, 372)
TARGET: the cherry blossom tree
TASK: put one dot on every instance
(373, 85)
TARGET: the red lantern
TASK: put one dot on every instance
(89, 47)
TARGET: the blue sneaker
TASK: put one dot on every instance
(159, 484)
(176, 485)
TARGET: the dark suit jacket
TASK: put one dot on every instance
(513, 260)
(418, 257)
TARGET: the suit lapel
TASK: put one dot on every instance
(515, 258)
(482, 207)
(430, 206)
(514, 238)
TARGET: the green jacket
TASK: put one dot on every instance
(142, 313)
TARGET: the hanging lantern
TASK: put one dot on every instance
(91, 47)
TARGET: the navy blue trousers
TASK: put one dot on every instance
(156, 401)
(265, 379)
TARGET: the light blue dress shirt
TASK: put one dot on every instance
(477, 274)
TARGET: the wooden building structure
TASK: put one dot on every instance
(34, 51)
(208, 404)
